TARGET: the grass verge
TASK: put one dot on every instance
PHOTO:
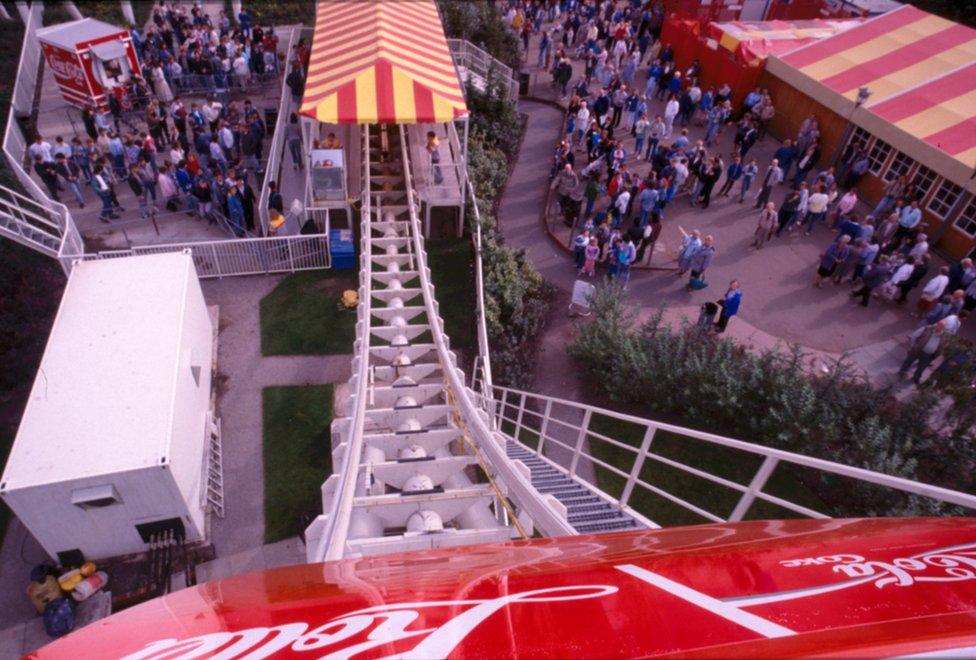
(297, 455)
(301, 315)
(452, 274)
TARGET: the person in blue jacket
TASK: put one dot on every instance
(729, 304)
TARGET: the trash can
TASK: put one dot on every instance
(523, 82)
(341, 249)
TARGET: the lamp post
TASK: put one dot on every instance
(863, 94)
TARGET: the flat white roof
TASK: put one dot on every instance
(103, 396)
(69, 35)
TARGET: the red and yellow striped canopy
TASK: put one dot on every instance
(941, 112)
(379, 62)
(888, 54)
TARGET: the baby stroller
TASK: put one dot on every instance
(706, 318)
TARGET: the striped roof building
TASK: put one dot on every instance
(920, 71)
(378, 62)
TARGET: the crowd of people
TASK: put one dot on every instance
(629, 103)
(198, 158)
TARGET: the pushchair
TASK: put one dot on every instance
(706, 317)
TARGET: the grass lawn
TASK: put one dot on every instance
(301, 315)
(297, 455)
(731, 464)
(452, 272)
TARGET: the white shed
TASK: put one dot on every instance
(112, 444)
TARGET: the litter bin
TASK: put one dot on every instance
(341, 249)
(523, 84)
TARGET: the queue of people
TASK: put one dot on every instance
(627, 102)
(182, 156)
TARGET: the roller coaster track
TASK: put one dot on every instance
(417, 462)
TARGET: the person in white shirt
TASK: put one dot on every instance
(242, 73)
(921, 247)
(670, 112)
(211, 112)
(620, 207)
(932, 291)
(582, 123)
(41, 149)
(816, 208)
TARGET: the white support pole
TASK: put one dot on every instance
(638, 465)
(72, 10)
(128, 13)
(584, 429)
(4, 14)
(23, 9)
(755, 486)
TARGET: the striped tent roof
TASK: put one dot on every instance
(378, 62)
(941, 112)
(888, 54)
(921, 72)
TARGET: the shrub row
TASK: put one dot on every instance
(712, 385)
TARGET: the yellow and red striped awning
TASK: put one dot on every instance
(888, 54)
(376, 62)
(941, 112)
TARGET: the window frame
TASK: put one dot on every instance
(875, 166)
(946, 185)
(934, 182)
(962, 222)
(891, 173)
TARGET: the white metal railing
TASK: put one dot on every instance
(473, 59)
(483, 359)
(519, 485)
(332, 543)
(25, 85)
(277, 147)
(241, 256)
(520, 411)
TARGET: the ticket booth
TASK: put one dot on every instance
(88, 58)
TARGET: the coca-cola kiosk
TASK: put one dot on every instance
(88, 58)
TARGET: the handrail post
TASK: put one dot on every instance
(544, 427)
(584, 429)
(518, 419)
(755, 487)
(638, 464)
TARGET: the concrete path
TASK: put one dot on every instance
(779, 305)
(243, 374)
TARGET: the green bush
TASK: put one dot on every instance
(517, 301)
(713, 385)
(480, 22)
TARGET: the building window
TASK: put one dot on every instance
(901, 165)
(877, 156)
(944, 199)
(862, 136)
(967, 220)
(924, 181)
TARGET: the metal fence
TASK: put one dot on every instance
(625, 467)
(276, 150)
(471, 60)
(245, 256)
(25, 86)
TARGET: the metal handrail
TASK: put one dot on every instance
(337, 527)
(479, 291)
(277, 146)
(519, 486)
(497, 399)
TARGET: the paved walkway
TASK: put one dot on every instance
(243, 374)
(779, 305)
